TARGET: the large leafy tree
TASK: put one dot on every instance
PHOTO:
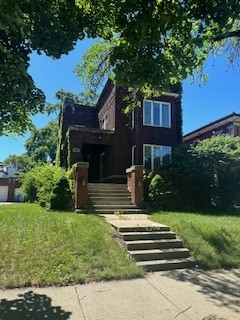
(42, 144)
(158, 43)
(40, 147)
(26, 25)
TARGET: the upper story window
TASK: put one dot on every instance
(104, 122)
(156, 113)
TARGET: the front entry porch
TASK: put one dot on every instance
(83, 190)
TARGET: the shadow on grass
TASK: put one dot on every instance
(221, 286)
(31, 306)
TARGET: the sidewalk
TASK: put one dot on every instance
(178, 294)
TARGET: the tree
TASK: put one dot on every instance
(42, 144)
(206, 174)
(220, 157)
(154, 44)
(23, 162)
(63, 95)
(38, 183)
(47, 26)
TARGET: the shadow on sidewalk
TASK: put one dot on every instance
(221, 286)
(31, 306)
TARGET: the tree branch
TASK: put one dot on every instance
(230, 34)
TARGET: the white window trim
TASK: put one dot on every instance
(133, 158)
(161, 103)
(133, 119)
(152, 153)
(104, 122)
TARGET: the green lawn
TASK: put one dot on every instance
(41, 248)
(213, 240)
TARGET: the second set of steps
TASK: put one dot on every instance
(110, 198)
(155, 249)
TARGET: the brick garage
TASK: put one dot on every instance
(8, 190)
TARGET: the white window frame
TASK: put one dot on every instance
(133, 152)
(104, 122)
(133, 119)
(160, 111)
(152, 153)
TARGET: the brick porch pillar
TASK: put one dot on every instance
(135, 184)
(80, 182)
(11, 189)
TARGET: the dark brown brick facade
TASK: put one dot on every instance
(109, 152)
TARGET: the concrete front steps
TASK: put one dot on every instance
(110, 198)
(155, 248)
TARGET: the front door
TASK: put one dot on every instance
(102, 165)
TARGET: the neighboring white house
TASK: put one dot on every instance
(8, 185)
(7, 170)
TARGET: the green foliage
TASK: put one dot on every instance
(206, 174)
(153, 44)
(61, 198)
(42, 144)
(159, 194)
(190, 182)
(39, 248)
(157, 44)
(63, 95)
(213, 240)
(23, 162)
(38, 183)
(147, 178)
(220, 157)
(51, 27)
(95, 68)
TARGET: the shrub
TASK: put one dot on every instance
(158, 192)
(42, 185)
(61, 197)
(200, 176)
(147, 178)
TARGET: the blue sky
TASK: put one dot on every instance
(201, 103)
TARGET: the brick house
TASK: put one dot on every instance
(111, 141)
(229, 124)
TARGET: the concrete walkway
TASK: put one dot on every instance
(179, 294)
(130, 220)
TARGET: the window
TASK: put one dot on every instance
(153, 156)
(104, 122)
(156, 113)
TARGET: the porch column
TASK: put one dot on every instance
(80, 182)
(135, 184)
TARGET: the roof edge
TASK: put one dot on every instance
(212, 124)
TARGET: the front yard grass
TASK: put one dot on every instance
(42, 248)
(213, 240)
